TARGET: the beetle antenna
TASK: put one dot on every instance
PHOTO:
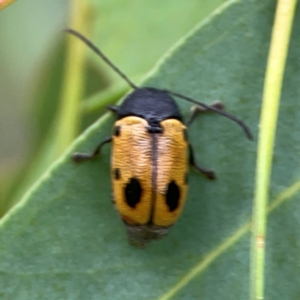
(220, 112)
(99, 52)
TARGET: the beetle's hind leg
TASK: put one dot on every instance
(80, 157)
(210, 174)
(197, 109)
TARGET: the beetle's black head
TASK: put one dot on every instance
(150, 104)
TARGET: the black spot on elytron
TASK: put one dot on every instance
(133, 192)
(185, 135)
(172, 196)
(117, 130)
(186, 178)
(117, 173)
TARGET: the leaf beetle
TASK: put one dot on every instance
(150, 156)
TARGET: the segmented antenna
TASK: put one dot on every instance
(99, 52)
(223, 113)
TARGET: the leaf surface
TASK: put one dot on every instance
(65, 241)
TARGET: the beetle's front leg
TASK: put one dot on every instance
(80, 157)
(197, 109)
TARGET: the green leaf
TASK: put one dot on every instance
(65, 241)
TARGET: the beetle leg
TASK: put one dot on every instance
(79, 157)
(197, 109)
(113, 201)
(210, 174)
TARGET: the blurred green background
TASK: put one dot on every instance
(34, 72)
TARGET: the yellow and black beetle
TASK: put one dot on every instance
(149, 158)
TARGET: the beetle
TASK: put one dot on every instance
(150, 156)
